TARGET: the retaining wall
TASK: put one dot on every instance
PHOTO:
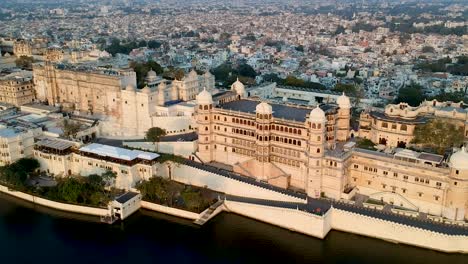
(193, 176)
(369, 226)
(56, 205)
(295, 220)
(169, 210)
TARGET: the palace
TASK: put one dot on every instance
(395, 126)
(112, 97)
(309, 149)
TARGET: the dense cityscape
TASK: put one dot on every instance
(307, 115)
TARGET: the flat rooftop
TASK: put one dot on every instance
(55, 144)
(279, 110)
(118, 153)
(9, 132)
(126, 197)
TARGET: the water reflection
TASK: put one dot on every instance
(29, 234)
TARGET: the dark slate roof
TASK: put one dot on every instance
(384, 117)
(181, 137)
(279, 110)
(126, 197)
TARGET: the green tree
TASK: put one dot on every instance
(193, 200)
(428, 49)
(438, 135)
(142, 69)
(24, 62)
(70, 128)
(154, 135)
(246, 70)
(70, 190)
(300, 48)
(411, 94)
(349, 89)
(154, 44)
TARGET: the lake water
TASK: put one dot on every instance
(30, 234)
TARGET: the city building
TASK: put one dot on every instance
(16, 90)
(395, 126)
(15, 143)
(63, 158)
(111, 96)
(308, 149)
(275, 143)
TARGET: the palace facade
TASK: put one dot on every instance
(395, 126)
(309, 149)
(112, 97)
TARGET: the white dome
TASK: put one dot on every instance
(343, 101)
(238, 87)
(151, 76)
(317, 115)
(130, 88)
(263, 108)
(146, 90)
(204, 97)
(459, 160)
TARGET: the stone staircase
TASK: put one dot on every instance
(208, 214)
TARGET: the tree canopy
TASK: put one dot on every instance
(17, 173)
(411, 94)
(226, 73)
(24, 62)
(142, 68)
(438, 135)
(154, 134)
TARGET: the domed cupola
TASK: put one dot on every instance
(317, 115)
(343, 101)
(151, 76)
(204, 98)
(459, 160)
(263, 108)
(239, 88)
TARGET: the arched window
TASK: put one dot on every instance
(290, 141)
(295, 131)
(299, 132)
(290, 130)
(206, 128)
(206, 118)
(200, 107)
(319, 126)
(299, 143)
(318, 150)
(319, 138)
(281, 129)
(294, 142)
(314, 126)
(205, 107)
(403, 127)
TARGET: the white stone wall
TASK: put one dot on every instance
(295, 220)
(182, 148)
(372, 227)
(56, 205)
(169, 210)
(193, 176)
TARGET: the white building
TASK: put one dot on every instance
(15, 143)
